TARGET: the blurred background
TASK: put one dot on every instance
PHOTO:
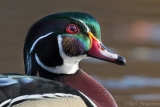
(130, 28)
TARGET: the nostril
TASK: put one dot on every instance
(100, 47)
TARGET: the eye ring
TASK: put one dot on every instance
(72, 29)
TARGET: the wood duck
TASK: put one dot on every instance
(53, 48)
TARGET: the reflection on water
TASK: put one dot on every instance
(128, 82)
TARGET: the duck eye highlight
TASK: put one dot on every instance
(72, 29)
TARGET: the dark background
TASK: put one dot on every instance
(130, 28)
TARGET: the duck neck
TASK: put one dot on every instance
(87, 85)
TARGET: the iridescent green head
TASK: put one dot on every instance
(73, 28)
(61, 40)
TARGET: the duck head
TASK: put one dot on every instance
(56, 43)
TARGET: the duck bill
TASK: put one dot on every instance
(99, 51)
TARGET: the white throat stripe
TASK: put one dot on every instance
(50, 69)
(69, 66)
(38, 40)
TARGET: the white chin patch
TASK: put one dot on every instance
(63, 69)
(70, 64)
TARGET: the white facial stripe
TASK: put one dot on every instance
(35, 96)
(38, 40)
(87, 28)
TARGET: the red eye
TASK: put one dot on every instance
(72, 29)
